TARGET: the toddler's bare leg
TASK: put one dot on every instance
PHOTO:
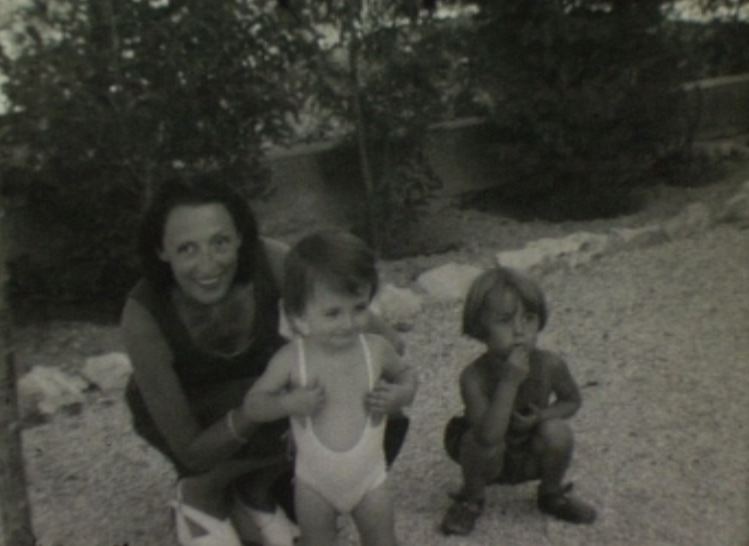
(374, 518)
(315, 515)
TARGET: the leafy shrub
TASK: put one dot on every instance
(108, 97)
(385, 75)
(583, 97)
(714, 48)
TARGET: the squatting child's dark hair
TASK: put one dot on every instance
(334, 256)
(500, 278)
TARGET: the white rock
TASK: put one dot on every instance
(626, 238)
(394, 303)
(736, 208)
(542, 254)
(45, 390)
(108, 371)
(695, 218)
(448, 282)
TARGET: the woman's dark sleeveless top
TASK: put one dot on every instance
(194, 366)
(213, 384)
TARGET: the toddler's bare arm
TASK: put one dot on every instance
(272, 396)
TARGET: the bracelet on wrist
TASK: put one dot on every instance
(233, 429)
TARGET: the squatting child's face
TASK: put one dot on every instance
(333, 316)
(508, 324)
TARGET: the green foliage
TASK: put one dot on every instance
(384, 73)
(583, 96)
(108, 97)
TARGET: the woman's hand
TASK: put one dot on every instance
(304, 401)
(385, 398)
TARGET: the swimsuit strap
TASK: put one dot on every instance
(302, 366)
(367, 360)
(302, 361)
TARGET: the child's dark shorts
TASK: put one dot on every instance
(519, 461)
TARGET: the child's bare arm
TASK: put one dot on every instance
(271, 397)
(566, 393)
(397, 385)
(490, 415)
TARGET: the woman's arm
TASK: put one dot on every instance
(152, 359)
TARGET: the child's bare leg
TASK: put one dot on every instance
(315, 515)
(480, 464)
(554, 444)
(374, 518)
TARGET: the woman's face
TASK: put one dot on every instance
(201, 245)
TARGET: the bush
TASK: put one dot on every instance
(583, 96)
(108, 97)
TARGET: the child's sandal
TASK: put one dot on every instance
(460, 518)
(562, 505)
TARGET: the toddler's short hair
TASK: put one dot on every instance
(334, 256)
(500, 278)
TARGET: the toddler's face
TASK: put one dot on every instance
(508, 324)
(335, 317)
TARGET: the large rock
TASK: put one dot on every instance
(628, 238)
(109, 372)
(543, 254)
(397, 304)
(45, 390)
(694, 219)
(736, 208)
(448, 282)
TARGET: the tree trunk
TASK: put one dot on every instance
(14, 502)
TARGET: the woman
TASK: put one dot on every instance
(200, 327)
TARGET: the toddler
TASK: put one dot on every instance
(338, 384)
(516, 397)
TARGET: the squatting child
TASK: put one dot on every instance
(338, 384)
(516, 397)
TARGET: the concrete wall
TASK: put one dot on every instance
(463, 154)
(722, 106)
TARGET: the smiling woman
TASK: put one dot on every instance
(200, 244)
(200, 328)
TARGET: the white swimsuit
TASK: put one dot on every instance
(343, 478)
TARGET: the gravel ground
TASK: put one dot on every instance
(655, 336)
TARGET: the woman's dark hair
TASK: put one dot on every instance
(337, 257)
(194, 190)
